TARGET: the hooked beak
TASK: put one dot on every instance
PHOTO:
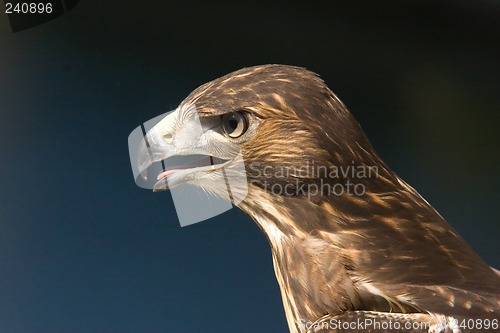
(176, 149)
(174, 142)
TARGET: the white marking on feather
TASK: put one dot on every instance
(404, 299)
(376, 291)
(315, 245)
(272, 231)
(263, 200)
(451, 301)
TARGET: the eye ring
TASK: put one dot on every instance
(234, 124)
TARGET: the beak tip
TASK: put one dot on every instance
(161, 186)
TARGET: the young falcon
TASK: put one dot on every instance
(352, 243)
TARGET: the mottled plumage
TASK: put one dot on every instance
(384, 254)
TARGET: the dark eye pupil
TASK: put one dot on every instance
(234, 124)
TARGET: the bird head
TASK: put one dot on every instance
(280, 121)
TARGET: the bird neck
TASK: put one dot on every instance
(300, 255)
(307, 237)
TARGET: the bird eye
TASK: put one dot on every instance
(234, 124)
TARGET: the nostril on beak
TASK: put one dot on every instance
(167, 136)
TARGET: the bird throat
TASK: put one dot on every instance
(307, 266)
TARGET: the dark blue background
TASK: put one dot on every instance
(82, 249)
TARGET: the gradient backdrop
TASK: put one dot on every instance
(82, 249)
